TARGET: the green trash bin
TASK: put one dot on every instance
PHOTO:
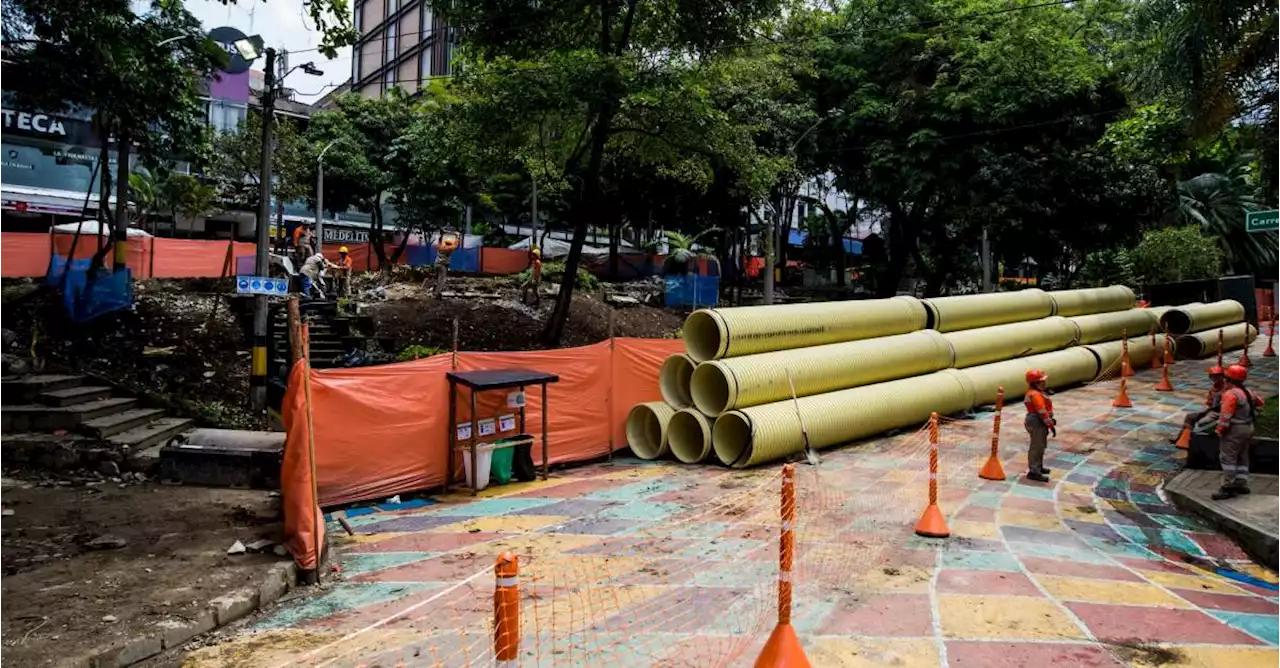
(500, 468)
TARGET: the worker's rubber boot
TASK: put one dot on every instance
(1045, 471)
(1037, 476)
(1226, 492)
(1241, 487)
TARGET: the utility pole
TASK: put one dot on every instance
(121, 241)
(320, 193)
(534, 240)
(262, 264)
(986, 262)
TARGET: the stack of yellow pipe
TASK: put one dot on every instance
(859, 368)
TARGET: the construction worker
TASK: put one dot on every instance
(311, 271)
(302, 243)
(444, 249)
(535, 277)
(1235, 433)
(344, 272)
(1212, 404)
(1039, 423)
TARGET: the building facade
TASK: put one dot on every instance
(403, 43)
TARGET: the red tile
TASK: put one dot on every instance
(426, 542)
(959, 581)
(1116, 623)
(1218, 546)
(1019, 654)
(976, 514)
(900, 615)
(1030, 505)
(1228, 602)
(908, 557)
(1161, 566)
(1075, 569)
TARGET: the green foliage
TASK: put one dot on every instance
(344, 306)
(238, 159)
(1109, 266)
(1175, 254)
(415, 352)
(1217, 203)
(1268, 417)
(552, 270)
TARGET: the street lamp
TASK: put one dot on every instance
(320, 192)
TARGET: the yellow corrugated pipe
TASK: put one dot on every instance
(1001, 342)
(673, 380)
(1100, 327)
(1199, 317)
(1092, 300)
(996, 308)
(1204, 344)
(750, 380)
(1140, 353)
(1065, 367)
(718, 333)
(647, 429)
(1157, 312)
(689, 436)
(759, 434)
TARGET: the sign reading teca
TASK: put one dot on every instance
(41, 123)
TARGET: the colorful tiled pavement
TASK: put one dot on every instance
(1094, 569)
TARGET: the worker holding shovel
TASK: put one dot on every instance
(1039, 423)
(534, 281)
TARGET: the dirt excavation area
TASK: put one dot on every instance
(89, 566)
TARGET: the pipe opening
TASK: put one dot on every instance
(645, 433)
(1177, 321)
(689, 436)
(710, 388)
(1189, 347)
(731, 437)
(673, 381)
(703, 338)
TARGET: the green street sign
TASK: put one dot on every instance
(1262, 221)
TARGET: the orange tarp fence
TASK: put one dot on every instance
(195, 258)
(24, 254)
(500, 261)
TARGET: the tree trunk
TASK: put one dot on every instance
(899, 249)
(615, 231)
(404, 243)
(104, 212)
(376, 238)
(121, 231)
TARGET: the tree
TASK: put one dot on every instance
(1216, 203)
(237, 161)
(1175, 254)
(566, 84)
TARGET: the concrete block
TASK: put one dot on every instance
(127, 653)
(176, 632)
(273, 586)
(234, 605)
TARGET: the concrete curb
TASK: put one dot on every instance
(172, 633)
(1260, 543)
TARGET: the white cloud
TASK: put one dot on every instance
(284, 25)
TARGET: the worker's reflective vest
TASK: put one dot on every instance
(1040, 405)
(1239, 406)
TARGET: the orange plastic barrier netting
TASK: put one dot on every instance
(24, 254)
(501, 261)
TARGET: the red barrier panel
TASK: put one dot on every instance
(196, 258)
(24, 254)
(502, 261)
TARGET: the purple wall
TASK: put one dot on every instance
(230, 87)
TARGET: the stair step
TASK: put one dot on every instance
(37, 417)
(74, 395)
(153, 433)
(114, 424)
(27, 388)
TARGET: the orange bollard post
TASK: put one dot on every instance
(782, 649)
(992, 470)
(1168, 345)
(1244, 355)
(1184, 438)
(1157, 358)
(1122, 397)
(1126, 369)
(1165, 385)
(506, 610)
(932, 524)
(1220, 348)
(1271, 334)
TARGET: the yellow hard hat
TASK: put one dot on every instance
(343, 250)
(536, 251)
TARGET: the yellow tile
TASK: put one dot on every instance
(1189, 581)
(645, 472)
(1074, 513)
(1075, 488)
(579, 569)
(904, 580)
(862, 653)
(1103, 591)
(1003, 617)
(1266, 575)
(905, 475)
(966, 529)
(1208, 657)
(575, 611)
(502, 524)
(1034, 520)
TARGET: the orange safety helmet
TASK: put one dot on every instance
(1216, 371)
(1237, 373)
(1036, 376)
(449, 242)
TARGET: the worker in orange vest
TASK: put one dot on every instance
(1212, 403)
(344, 272)
(1235, 433)
(448, 242)
(1039, 423)
(535, 277)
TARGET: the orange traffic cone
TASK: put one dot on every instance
(1168, 351)
(931, 524)
(1164, 385)
(1157, 360)
(992, 470)
(782, 650)
(1244, 356)
(1271, 334)
(1184, 438)
(1122, 398)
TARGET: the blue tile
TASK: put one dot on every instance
(1034, 491)
(1138, 535)
(633, 491)
(1263, 627)
(643, 510)
(1149, 499)
(1122, 549)
(341, 597)
(984, 499)
(983, 561)
(493, 507)
(368, 562)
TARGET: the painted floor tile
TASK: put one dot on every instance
(1011, 617)
(1108, 591)
(1119, 623)
(873, 653)
(996, 583)
(1264, 626)
(962, 654)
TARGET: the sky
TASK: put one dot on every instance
(284, 25)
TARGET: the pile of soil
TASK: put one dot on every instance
(180, 347)
(161, 553)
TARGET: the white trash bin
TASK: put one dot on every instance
(484, 461)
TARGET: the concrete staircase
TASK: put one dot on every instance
(68, 421)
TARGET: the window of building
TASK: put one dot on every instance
(355, 64)
(424, 31)
(392, 6)
(358, 19)
(226, 117)
(389, 41)
(388, 79)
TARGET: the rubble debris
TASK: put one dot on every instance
(236, 548)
